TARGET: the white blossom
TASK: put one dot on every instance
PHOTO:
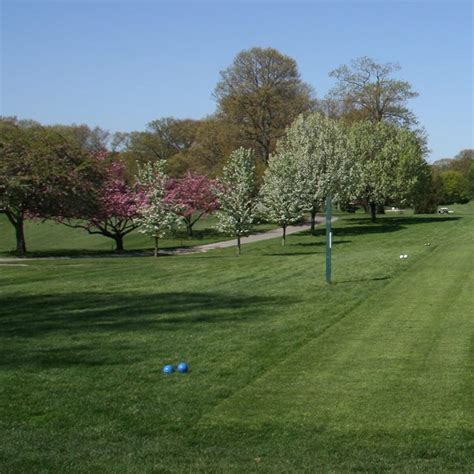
(236, 191)
(283, 193)
(157, 216)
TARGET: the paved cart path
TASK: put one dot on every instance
(272, 234)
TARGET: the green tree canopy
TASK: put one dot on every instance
(454, 187)
(390, 163)
(42, 175)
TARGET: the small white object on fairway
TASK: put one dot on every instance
(405, 256)
(401, 256)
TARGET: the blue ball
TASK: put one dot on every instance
(182, 367)
(168, 369)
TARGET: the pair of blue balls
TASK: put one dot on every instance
(181, 367)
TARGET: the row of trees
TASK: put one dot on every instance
(360, 143)
(371, 162)
(43, 176)
(258, 97)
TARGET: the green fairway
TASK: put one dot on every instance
(373, 373)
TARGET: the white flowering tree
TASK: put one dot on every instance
(236, 191)
(319, 146)
(283, 193)
(157, 216)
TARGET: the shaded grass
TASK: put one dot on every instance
(372, 373)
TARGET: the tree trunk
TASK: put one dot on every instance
(20, 234)
(267, 155)
(373, 211)
(238, 245)
(283, 239)
(156, 247)
(265, 145)
(313, 219)
(118, 243)
(17, 221)
(189, 227)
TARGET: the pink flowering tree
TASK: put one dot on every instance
(116, 205)
(193, 197)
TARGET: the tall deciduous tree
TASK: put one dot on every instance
(236, 193)
(193, 197)
(367, 90)
(262, 93)
(157, 215)
(42, 175)
(283, 192)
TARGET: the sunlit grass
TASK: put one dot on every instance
(372, 373)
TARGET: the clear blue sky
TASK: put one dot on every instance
(120, 64)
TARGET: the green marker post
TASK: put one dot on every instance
(328, 238)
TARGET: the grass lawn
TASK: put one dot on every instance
(52, 239)
(373, 373)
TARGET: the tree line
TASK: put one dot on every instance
(453, 178)
(258, 96)
(44, 176)
(361, 144)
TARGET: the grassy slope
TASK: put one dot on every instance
(371, 373)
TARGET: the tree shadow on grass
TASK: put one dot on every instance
(48, 320)
(408, 220)
(338, 282)
(321, 243)
(355, 228)
(384, 224)
(35, 315)
(81, 253)
(296, 248)
(292, 254)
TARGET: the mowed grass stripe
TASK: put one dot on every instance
(391, 371)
